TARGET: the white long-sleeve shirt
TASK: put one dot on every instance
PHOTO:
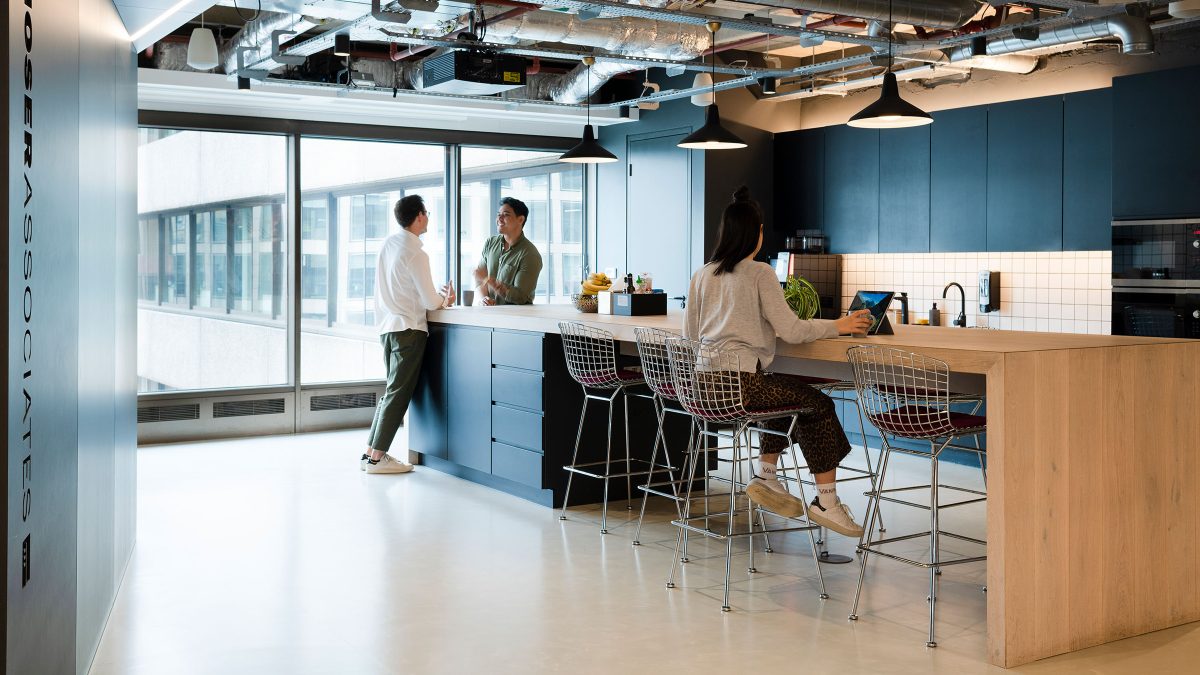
(404, 288)
(743, 310)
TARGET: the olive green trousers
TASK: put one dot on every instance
(402, 354)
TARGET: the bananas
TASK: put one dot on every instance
(596, 283)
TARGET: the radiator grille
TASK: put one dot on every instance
(168, 413)
(342, 401)
(262, 406)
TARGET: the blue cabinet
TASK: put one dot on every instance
(852, 189)
(469, 397)
(958, 180)
(1025, 174)
(427, 411)
(1087, 171)
(1155, 144)
(800, 180)
(904, 190)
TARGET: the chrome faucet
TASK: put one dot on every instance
(962, 306)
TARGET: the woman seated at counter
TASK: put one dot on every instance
(737, 304)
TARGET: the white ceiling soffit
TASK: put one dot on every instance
(147, 21)
(209, 93)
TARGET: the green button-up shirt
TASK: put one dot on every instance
(517, 267)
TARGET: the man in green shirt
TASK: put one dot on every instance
(507, 273)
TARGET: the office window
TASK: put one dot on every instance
(350, 189)
(553, 192)
(213, 248)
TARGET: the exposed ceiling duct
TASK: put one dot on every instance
(926, 13)
(620, 35)
(1133, 32)
(257, 35)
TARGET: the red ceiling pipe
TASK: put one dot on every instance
(986, 23)
(851, 21)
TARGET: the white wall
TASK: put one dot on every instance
(1059, 292)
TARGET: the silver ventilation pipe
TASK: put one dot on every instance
(257, 34)
(618, 35)
(927, 13)
(1133, 32)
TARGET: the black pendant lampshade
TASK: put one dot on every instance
(890, 111)
(588, 151)
(712, 136)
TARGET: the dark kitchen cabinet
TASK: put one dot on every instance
(800, 180)
(427, 411)
(958, 180)
(1025, 175)
(904, 190)
(469, 397)
(1087, 171)
(1155, 144)
(852, 189)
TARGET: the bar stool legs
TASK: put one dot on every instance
(573, 468)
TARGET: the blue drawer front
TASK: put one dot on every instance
(520, 388)
(517, 427)
(517, 464)
(516, 349)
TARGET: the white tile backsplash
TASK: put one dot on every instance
(1068, 291)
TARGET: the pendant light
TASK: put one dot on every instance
(712, 136)
(890, 111)
(202, 48)
(588, 151)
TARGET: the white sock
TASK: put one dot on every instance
(766, 470)
(827, 495)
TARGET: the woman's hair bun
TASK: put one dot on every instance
(742, 194)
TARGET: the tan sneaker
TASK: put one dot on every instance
(839, 518)
(774, 497)
(388, 464)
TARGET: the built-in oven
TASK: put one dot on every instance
(1156, 253)
(1156, 312)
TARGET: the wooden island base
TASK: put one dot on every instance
(1093, 514)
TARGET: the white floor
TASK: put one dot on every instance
(277, 555)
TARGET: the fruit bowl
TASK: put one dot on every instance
(588, 304)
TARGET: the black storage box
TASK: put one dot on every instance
(639, 304)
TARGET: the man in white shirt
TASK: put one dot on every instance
(404, 291)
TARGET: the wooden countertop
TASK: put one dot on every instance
(965, 350)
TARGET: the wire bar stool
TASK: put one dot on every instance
(708, 384)
(592, 362)
(906, 395)
(656, 366)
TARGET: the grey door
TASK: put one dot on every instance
(658, 216)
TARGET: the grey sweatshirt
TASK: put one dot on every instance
(743, 311)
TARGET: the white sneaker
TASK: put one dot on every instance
(388, 464)
(773, 496)
(839, 518)
(362, 462)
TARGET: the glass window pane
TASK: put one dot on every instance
(350, 189)
(207, 320)
(553, 191)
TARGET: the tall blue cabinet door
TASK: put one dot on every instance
(1025, 170)
(469, 397)
(852, 189)
(800, 180)
(1156, 143)
(1087, 171)
(904, 190)
(427, 412)
(958, 180)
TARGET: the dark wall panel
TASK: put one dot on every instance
(799, 181)
(727, 170)
(616, 228)
(852, 189)
(1025, 171)
(958, 180)
(1087, 171)
(904, 190)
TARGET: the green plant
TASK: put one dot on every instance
(802, 297)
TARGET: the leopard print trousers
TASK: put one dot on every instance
(817, 430)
